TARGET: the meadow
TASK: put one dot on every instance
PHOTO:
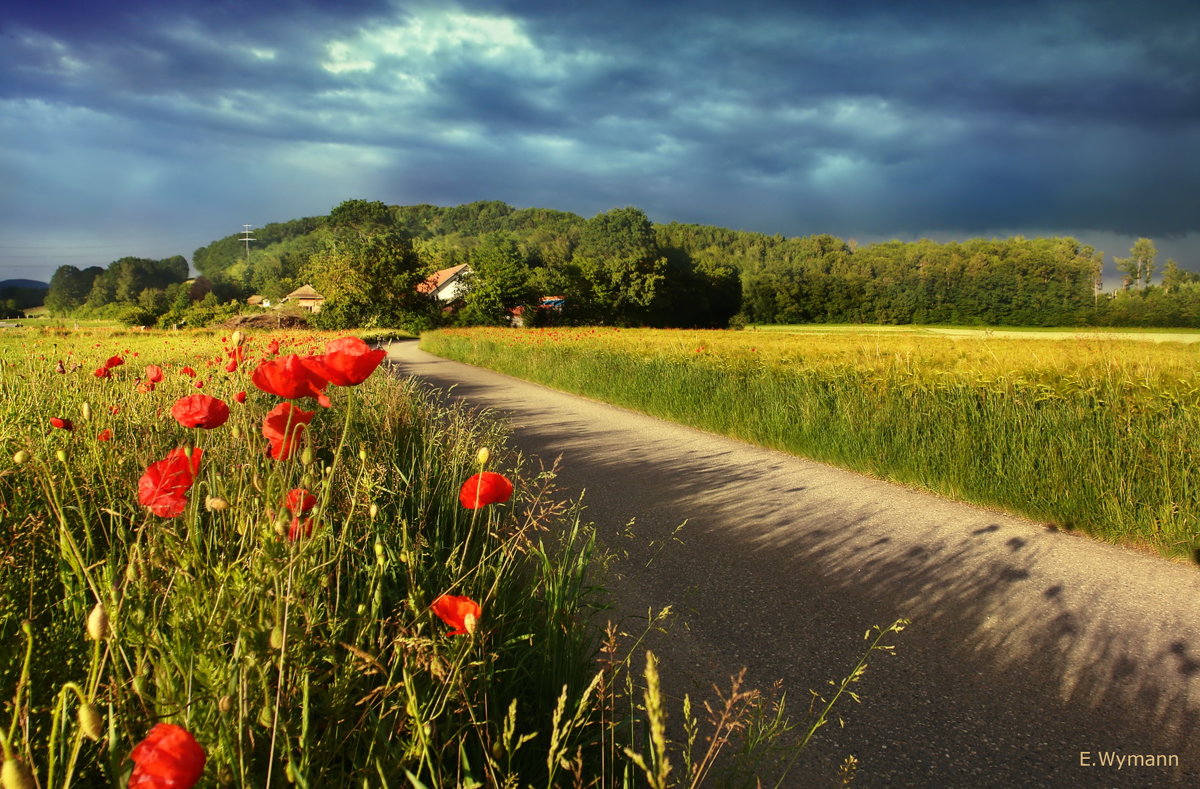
(1093, 432)
(354, 585)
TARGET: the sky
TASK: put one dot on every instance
(153, 128)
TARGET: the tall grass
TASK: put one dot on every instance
(1096, 435)
(312, 660)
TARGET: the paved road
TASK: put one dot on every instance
(1030, 649)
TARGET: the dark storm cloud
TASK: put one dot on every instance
(858, 118)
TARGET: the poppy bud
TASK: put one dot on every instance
(216, 504)
(61, 455)
(362, 455)
(225, 704)
(97, 623)
(21, 457)
(373, 510)
(237, 339)
(91, 722)
(87, 412)
(470, 621)
(379, 552)
(236, 431)
(15, 775)
(276, 639)
(482, 456)
(306, 456)
(265, 718)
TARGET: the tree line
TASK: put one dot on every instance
(368, 258)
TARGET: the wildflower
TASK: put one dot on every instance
(62, 424)
(145, 386)
(164, 486)
(189, 372)
(231, 366)
(300, 527)
(199, 384)
(347, 361)
(200, 410)
(240, 397)
(60, 368)
(290, 378)
(460, 613)
(237, 338)
(283, 427)
(299, 501)
(154, 374)
(272, 347)
(169, 758)
(483, 456)
(114, 361)
(483, 489)
(104, 435)
(102, 372)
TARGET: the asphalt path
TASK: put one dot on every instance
(1033, 654)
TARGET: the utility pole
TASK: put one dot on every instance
(247, 239)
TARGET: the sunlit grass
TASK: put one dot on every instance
(1094, 433)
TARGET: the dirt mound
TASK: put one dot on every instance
(267, 320)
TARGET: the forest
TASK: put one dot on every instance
(619, 268)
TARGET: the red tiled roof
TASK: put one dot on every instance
(439, 278)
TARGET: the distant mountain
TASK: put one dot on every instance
(26, 284)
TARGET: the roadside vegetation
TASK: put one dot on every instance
(1094, 433)
(255, 560)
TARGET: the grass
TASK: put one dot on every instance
(1089, 433)
(314, 657)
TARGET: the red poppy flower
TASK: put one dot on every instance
(272, 347)
(154, 373)
(290, 378)
(114, 409)
(62, 424)
(102, 372)
(169, 758)
(164, 486)
(283, 426)
(347, 361)
(114, 361)
(104, 435)
(189, 372)
(200, 410)
(299, 501)
(199, 384)
(461, 613)
(485, 488)
(146, 386)
(231, 367)
(240, 397)
(301, 527)
(236, 355)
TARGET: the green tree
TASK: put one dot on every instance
(498, 282)
(69, 288)
(619, 259)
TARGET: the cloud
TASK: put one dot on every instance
(857, 118)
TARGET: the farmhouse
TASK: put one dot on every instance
(446, 285)
(306, 298)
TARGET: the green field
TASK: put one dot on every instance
(1094, 431)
